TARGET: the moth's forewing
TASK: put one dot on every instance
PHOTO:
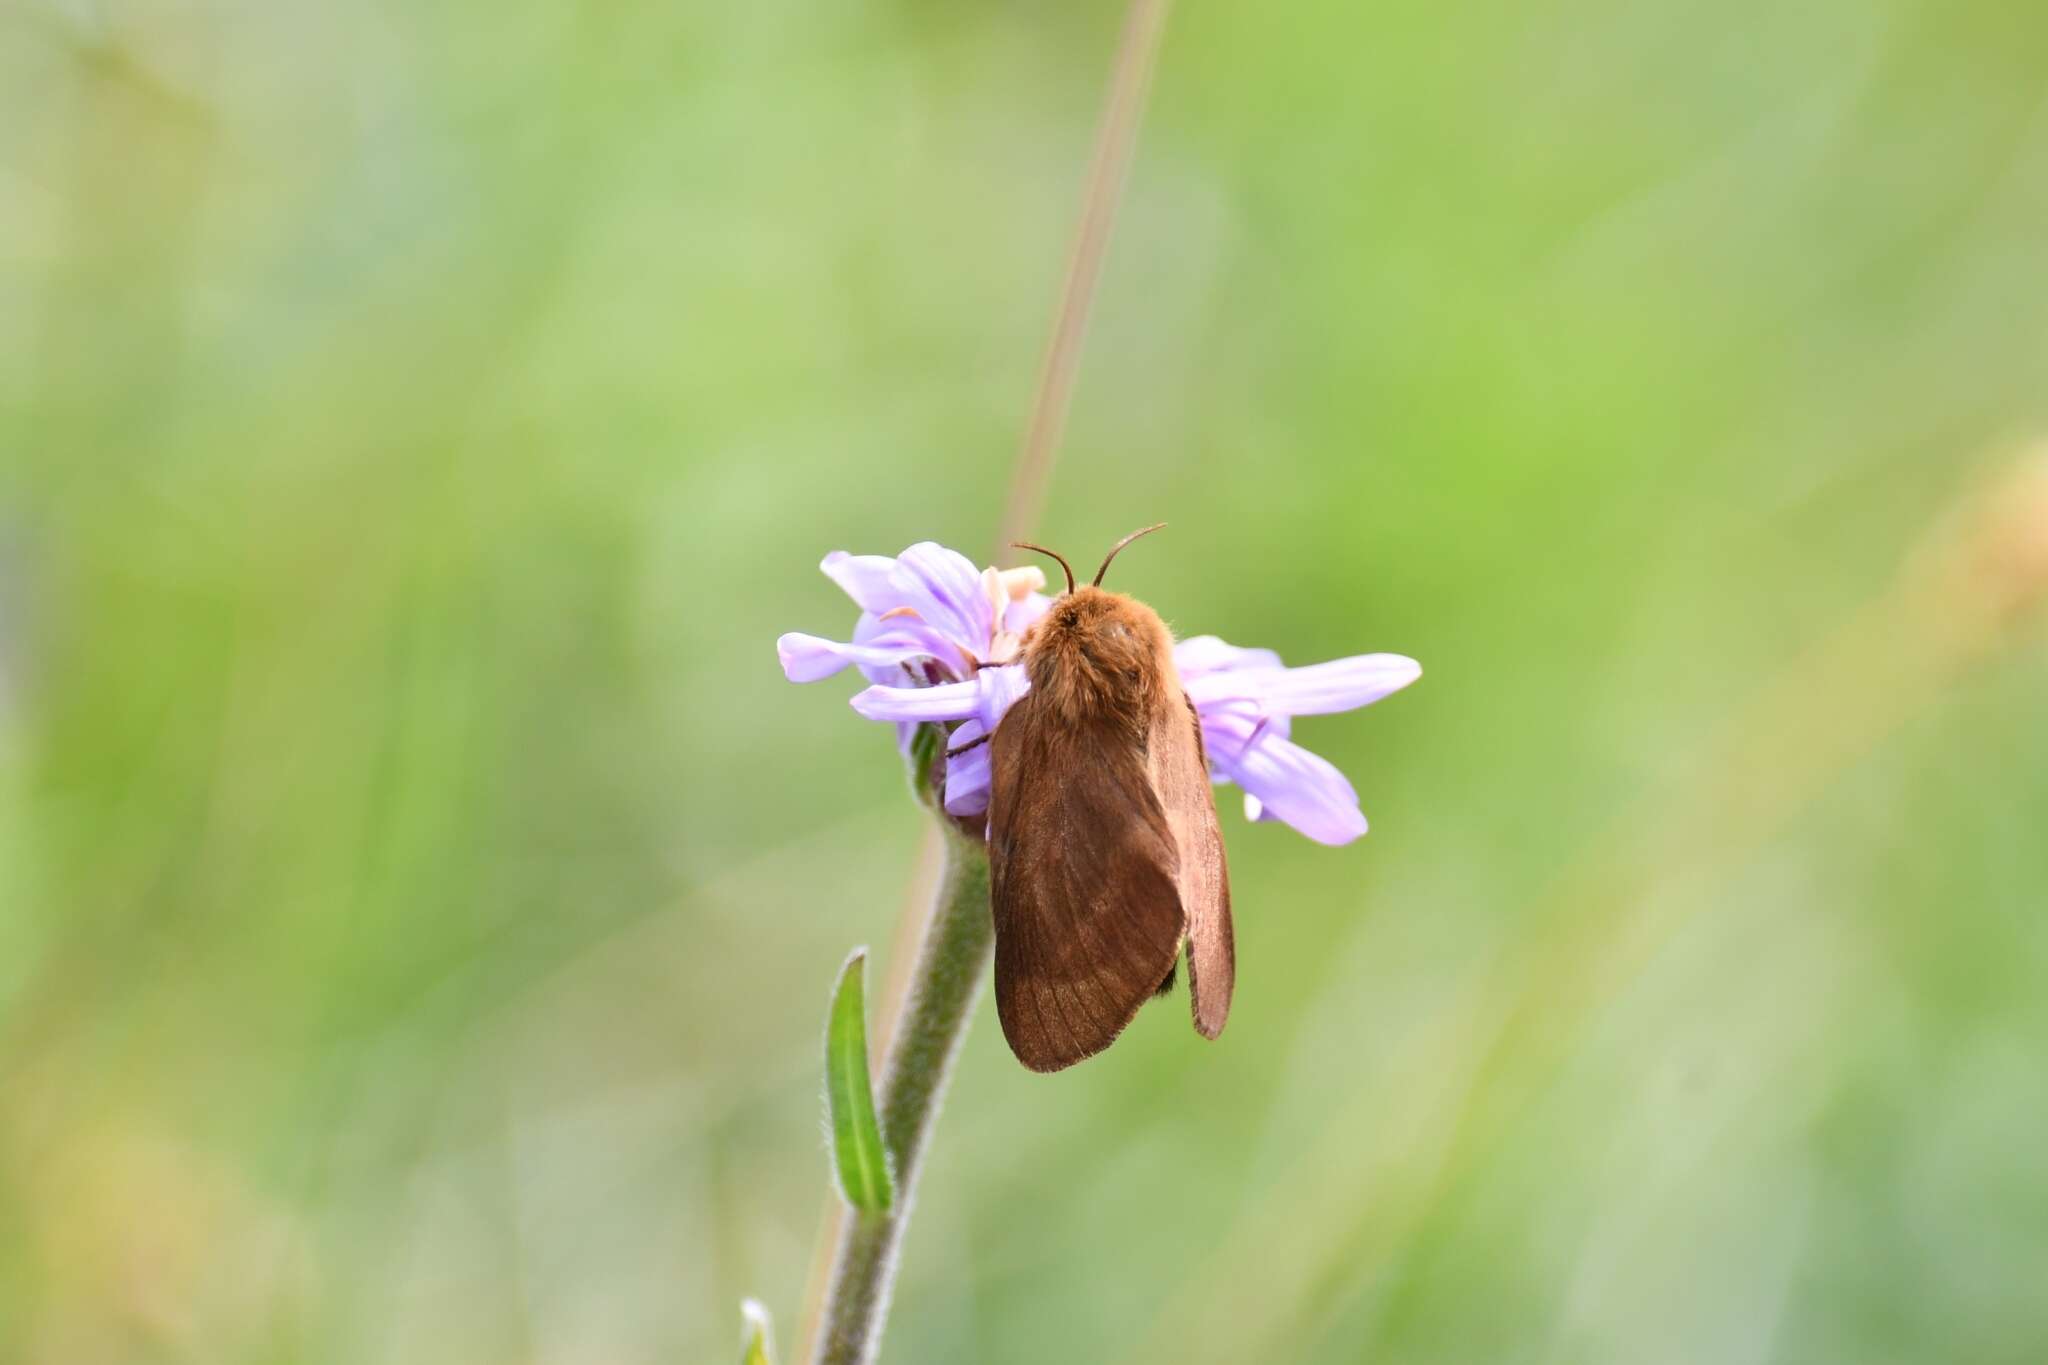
(1083, 884)
(1180, 773)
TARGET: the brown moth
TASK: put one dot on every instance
(1104, 852)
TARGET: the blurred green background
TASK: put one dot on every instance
(421, 892)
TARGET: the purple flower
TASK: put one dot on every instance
(939, 641)
(931, 623)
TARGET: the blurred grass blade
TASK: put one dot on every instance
(857, 1152)
(759, 1348)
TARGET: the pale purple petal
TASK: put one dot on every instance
(864, 578)
(945, 590)
(806, 658)
(947, 701)
(982, 699)
(967, 773)
(1316, 690)
(1222, 687)
(868, 630)
(1227, 726)
(1209, 654)
(903, 630)
(1294, 785)
(1230, 723)
(1000, 689)
(1341, 684)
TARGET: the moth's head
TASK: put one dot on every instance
(1098, 650)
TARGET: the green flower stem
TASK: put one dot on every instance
(951, 965)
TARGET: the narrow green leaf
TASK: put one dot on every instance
(858, 1156)
(759, 1348)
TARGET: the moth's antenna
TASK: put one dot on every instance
(1118, 546)
(1027, 545)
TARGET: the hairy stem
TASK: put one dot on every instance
(950, 966)
(923, 1033)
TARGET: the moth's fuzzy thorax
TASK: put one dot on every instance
(1100, 653)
